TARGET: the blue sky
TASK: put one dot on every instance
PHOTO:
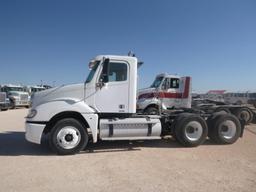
(212, 41)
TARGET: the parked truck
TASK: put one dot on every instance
(172, 92)
(4, 102)
(166, 92)
(33, 89)
(17, 96)
(104, 108)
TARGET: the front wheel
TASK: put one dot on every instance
(12, 104)
(68, 136)
(152, 110)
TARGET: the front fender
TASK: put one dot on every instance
(144, 103)
(49, 109)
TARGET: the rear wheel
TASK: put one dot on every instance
(68, 136)
(224, 129)
(244, 114)
(191, 130)
(176, 120)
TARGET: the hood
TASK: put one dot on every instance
(144, 92)
(64, 92)
(18, 92)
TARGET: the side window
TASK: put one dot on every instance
(175, 83)
(114, 72)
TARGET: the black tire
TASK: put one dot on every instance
(80, 132)
(12, 105)
(244, 114)
(151, 110)
(176, 120)
(217, 128)
(185, 125)
(222, 109)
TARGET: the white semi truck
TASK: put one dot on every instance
(104, 108)
(17, 96)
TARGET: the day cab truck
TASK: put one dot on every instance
(16, 94)
(33, 89)
(170, 92)
(104, 108)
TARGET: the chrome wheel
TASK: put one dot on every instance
(193, 131)
(228, 129)
(68, 137)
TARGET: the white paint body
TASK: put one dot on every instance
(108, 98)
(89, 100)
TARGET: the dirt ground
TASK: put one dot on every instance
(161, 165)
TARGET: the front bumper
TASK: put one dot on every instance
(4, 105)
(34, 132)
(22, 103)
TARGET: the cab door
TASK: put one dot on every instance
(171, 96)
(112, 87)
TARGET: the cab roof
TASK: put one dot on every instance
(167, 75)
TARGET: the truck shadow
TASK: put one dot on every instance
(14, 144)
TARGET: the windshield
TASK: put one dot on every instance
(37, 89)
(157, 82)
(7, 89)
(13, 94)
(93, 70)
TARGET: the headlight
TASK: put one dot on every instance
(32, 113)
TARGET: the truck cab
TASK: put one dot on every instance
(166, 92)
(17, 95)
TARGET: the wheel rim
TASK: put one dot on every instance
(68, 137)
(193, 131)
(228, 129)
(245, 115)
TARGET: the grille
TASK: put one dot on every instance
(23, 97)
(2, 97)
